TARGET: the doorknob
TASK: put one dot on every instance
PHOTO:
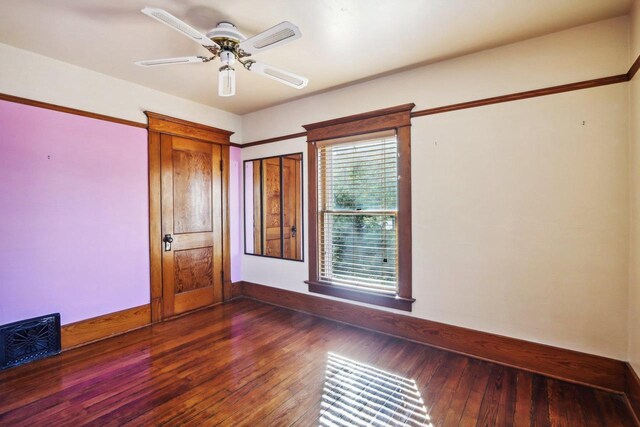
(168, 240)
(294, 230)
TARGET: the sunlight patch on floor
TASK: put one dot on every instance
(356, 394)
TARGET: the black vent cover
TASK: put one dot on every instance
(29, 340)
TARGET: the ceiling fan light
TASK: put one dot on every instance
(227, 81)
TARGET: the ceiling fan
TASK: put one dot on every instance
(230, 45)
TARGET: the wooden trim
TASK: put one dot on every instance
(397, 119)
(226, 229)
(77, 112)
(54, 107)
(523, 95)
(164, 118)
(276, 139)
(236, 289)
(155, 226)
(373, 121)
(376, 298)
(183, 128)
(632, 390)
(107, 325)
(634, 69)
(312, 214)
(568, 365)
(404, 215)
(470, 104)
(486, 101)
(166, 221)
(362, 116)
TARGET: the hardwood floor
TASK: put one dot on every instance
(248, 363)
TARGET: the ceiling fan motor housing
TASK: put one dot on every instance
(226, 31)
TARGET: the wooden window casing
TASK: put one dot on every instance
(398, 120)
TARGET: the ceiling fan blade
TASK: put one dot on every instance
(279, 75)
(172, 61)
(183, 28)
(282, 33)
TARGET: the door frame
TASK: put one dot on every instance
(160, 124)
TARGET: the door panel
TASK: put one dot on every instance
(292, 225)
(193, 269)
(192, 215)
(191, 191)
(271, 188)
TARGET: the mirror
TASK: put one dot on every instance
(273, 207)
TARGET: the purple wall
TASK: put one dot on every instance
(235, 212)
(73, 215)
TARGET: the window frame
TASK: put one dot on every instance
(397, 119)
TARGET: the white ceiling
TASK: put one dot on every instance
(343, 41)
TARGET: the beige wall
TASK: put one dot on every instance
(30, 75)
(634, 162)
(520, 210)
(583, 53)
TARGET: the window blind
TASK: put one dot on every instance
(357, 211)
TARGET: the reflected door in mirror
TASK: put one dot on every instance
(273, 207)
(292, 202)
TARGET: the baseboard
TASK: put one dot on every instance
(97, 328)
(568, 365)
(236, 290)
(633, 390)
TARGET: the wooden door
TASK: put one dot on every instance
(191, 197)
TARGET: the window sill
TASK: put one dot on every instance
(386, 300)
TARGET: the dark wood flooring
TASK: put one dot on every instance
(248, 363)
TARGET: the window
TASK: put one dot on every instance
(360, 247)
(357, 212)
